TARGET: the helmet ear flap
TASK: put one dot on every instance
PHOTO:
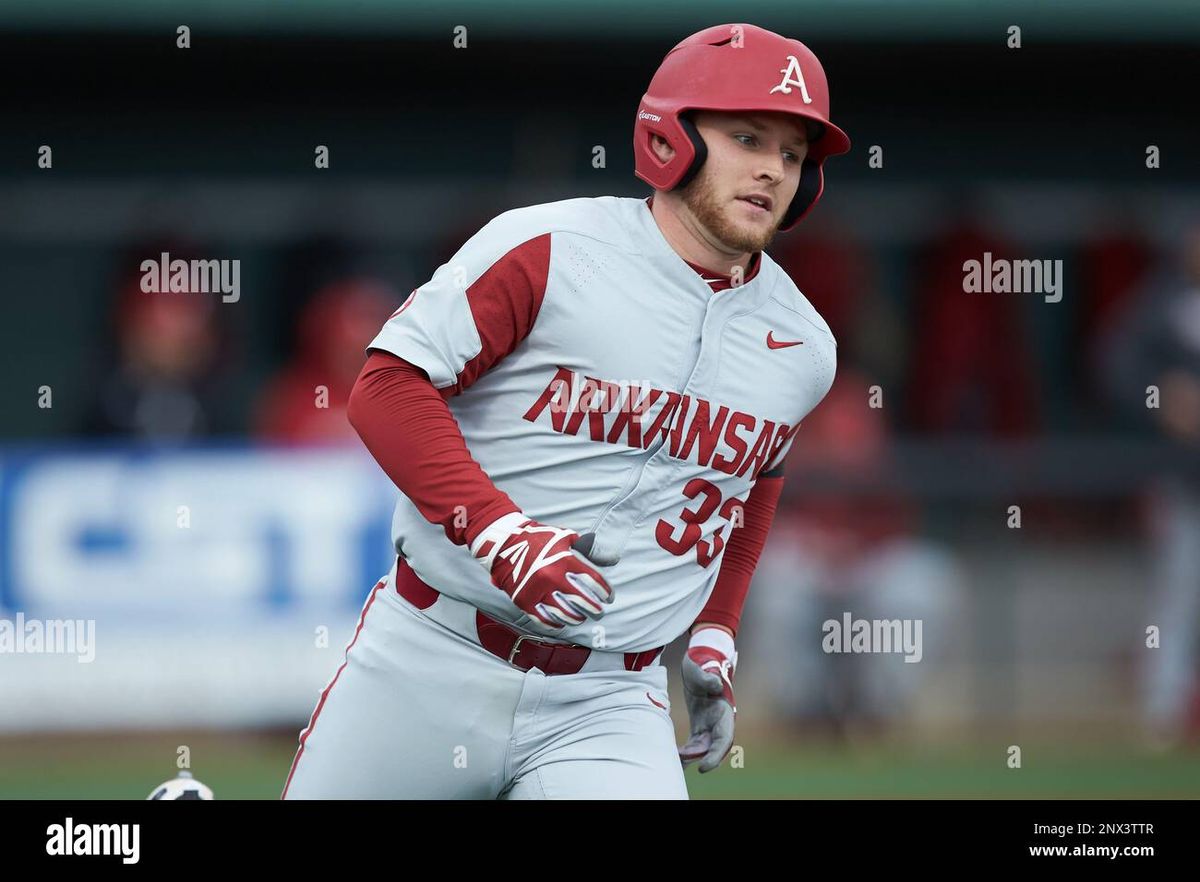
(812, 182)
(698, 146)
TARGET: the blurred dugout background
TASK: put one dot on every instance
(209, 620)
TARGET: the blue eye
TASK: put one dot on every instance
(792, 157)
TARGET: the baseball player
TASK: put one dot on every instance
(586, 411)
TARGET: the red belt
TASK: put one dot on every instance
(522, 651)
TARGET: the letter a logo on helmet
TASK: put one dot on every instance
(793, 76)
(735, 67)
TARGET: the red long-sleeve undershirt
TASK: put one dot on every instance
(742, 552)
(409, 429)
(407, 426)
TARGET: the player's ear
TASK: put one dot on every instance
(662, 149)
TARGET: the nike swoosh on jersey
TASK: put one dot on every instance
(772, 343)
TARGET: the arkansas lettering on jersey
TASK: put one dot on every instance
(605, 387)
(614, 415)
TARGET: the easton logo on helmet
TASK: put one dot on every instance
(653, 117)
(792, 76)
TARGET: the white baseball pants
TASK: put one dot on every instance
(420, 710)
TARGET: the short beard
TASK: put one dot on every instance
(701, 199)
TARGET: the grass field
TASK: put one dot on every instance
(254, 766)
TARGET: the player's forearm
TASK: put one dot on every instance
(407, 426)
(724, 607)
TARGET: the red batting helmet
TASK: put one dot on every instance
(735, 67)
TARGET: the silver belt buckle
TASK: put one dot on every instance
(512, 653)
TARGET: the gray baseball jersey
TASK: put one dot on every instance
(639, 404)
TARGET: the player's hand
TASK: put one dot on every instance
(708, 687)
(537, 567)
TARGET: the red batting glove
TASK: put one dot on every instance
(536, 566)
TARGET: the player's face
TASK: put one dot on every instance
(757, 154)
